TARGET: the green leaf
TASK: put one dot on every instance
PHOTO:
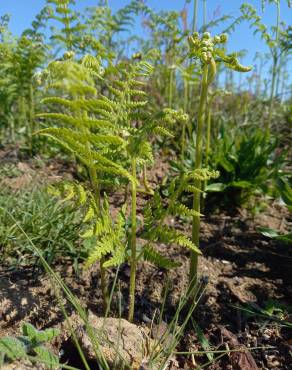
(216, 187)
(285, 191)
(270, 233)
(47, 357)
(204, 341)
(39, 336)
(241, 184)
(274, 234)
(287, 238)
(12, 348)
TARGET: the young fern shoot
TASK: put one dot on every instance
(110, 135)
(83, 134)
(206, 50)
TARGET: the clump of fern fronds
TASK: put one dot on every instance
(158, 212)
(109, 133)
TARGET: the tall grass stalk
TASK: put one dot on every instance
(56, 281)
(166, 344)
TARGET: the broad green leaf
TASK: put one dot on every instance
(285, 191)
(12, 348)
(204, 341)
(274, 234)
(46, 357)
(270, 233)
(241, 184)
(216, 187)
(39, 336)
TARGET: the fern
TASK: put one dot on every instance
(152, 256)
(70, 33)
(111, 134)
(111, 239)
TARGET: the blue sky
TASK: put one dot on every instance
(23, 11)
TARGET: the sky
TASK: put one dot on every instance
(23, 11)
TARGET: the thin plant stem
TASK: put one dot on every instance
(183, 136)
(204, 15)
(145, 181)
(31, 117)
(274, 74)
(208, 142)
(133, 243)
(170, 93)
(195, 16)
(198, 165)
(208, 139)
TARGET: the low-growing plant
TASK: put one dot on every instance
(30, 346)
(247, 163)
(285, 191)
(54, 226)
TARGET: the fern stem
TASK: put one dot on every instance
(183, 135)
(274, 73)
(170, 93)
(208, 142)
(103, 283)
(198, 165)
(103, 280)
(204, 15)
(96, 190)
(195, 15)
(271, 103)
(31, 117)
(133, 243)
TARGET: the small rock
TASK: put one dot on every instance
(120, 341)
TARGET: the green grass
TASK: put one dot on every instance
(52, 225)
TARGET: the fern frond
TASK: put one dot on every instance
(163, 131)
(203, 174)
(102, 248)
(154, 257)
(166, 234)
(193, 189)
(118, 257)
(112, 239)
(90, 213)
(182, 210)
(69, 120)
